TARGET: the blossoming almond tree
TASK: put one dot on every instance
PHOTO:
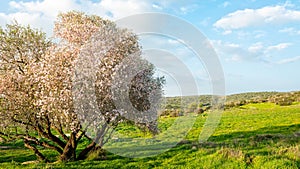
(45, 86)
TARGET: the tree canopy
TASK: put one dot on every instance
(44, 84)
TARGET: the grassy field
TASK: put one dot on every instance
(261, 135)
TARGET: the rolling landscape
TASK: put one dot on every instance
(257, 130)
(142, 84)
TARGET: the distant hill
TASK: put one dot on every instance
(178, 105)
(251, 96)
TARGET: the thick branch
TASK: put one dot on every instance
(3, 134)
(61, 132)
(69, 152)
(44, 144)
(39, 155)
(99, 137)
(11, 136)
(78, 138)
(83, 154)
(50, 136)
(22, 122)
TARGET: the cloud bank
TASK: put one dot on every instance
(279, 14)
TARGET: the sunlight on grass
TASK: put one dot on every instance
(261, 135)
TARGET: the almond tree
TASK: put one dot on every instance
(44, 85)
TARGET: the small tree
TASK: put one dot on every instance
(20, 47)
(39, 80)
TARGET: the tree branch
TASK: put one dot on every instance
(39, 155)
(61, 132)
(22, 122)
(44, 144)
(83, 154)
(50, 136)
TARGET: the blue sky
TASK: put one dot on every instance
(257, 41)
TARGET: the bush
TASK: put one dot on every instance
(200, 111)
(283, 100)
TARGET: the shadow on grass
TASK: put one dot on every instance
(250, 143)
(16, 155)
(262, 134)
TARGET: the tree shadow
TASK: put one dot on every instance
(262, 134)
(251, 143)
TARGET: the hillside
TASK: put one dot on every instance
(185, 104)
(261, 135)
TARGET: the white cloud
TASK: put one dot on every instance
(227, 32)
(156, 6)
(278, 47)
(118, 8)
(22, 17)
(257, 47)
(289, 60)
(290, 30)
(278, 14)
(230, 51)
(35, 20)
(255, 52)
(225, 4)
(46, 7)
(185, 9)
(242, 34)
(259, 35)
(121, 8)
(41, 14)
(205, 22)
(38, 14)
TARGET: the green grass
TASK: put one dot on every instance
(251, 136)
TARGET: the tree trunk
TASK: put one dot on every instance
(93, 146)
(84, 153)
(69, 152)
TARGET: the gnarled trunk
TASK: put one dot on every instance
(84, 153)
(69, 152)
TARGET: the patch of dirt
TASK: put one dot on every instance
(30, 162)
(10, 147)
(5, 147)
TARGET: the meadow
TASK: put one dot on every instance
(255, 135)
